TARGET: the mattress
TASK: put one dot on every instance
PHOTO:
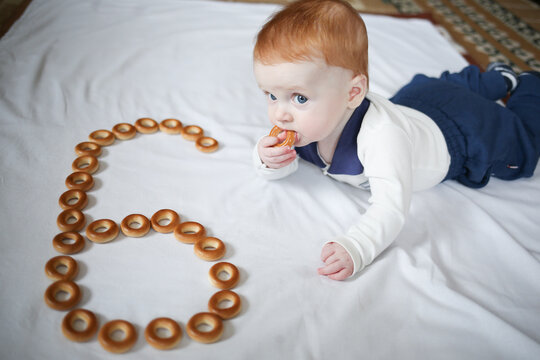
(461, 281)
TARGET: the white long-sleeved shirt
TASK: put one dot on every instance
(402, 150)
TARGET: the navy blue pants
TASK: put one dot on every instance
(484, 138)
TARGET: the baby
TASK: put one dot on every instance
(311, 61)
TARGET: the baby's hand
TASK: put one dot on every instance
(339, 264)
(275, 157)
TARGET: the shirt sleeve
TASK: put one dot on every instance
(272, 174)
(387, 161)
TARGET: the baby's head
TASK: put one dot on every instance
(331, 30)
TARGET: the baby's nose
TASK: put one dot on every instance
(282, 115)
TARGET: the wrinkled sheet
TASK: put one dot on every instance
(461, 281)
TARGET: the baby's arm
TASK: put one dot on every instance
(338, 262)
(387, 165)
(275, 157)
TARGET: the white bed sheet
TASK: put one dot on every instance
(460, 282)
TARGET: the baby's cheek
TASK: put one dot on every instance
(317, 129)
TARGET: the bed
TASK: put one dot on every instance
(461, 281)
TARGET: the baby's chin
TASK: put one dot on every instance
(302, 140)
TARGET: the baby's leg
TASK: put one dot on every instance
(490, 84)
(525, 103)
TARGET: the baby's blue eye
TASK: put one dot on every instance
(272, 97)
(300, 99)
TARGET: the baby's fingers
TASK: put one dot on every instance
(282, 136)
(331, 268)
(327, 250)
(340, 275)
(268, 141)
(280, 161)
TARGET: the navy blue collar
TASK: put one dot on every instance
(345, 160)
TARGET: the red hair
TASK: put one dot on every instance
(328, 29)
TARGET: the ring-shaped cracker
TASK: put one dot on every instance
(192, 132)
(117, 346)
(80, 180)
(86, 163)
(110, 233)
(66, 199)
(63, 220)
(124, 131)
(146, 125)
(227, 268)
(171, 126)
(65, 248)
(51, 268)
(135, 232)
(289, 140)
(206, 144)
(66, 286)
(163, 343)
(189, 232)
(86, 316)
(102, 137)
(209, 249)
(206, 337)
(88, 148)
(165, 214)
(227, 312)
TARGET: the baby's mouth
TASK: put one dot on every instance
(297, 138)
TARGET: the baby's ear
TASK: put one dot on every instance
(357, 91)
